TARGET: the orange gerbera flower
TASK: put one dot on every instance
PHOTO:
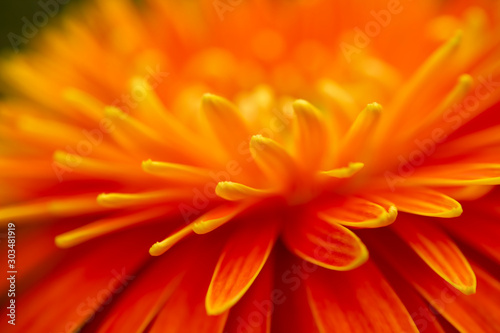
(260, 151)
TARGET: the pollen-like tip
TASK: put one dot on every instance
(212, 101)
(235, 191)
(62, 241)
(301, 104)
(139, 82)
(221, 188)
(392, 213)
(258, 139)
(466, 80)
(374, 108)
(114, 112)
(457, 211)
(469, 290)
(59, 155)
(146, 165)
(105, 199)
(157, 249)
(258, 143)
(216, 105)
(303, 107)
(345, 172)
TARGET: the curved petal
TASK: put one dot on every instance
(184, 309)
(480, 232)
(241, 260)
(468, 313)
(106, 276)
(311, 135)
(217, 217)
(226, 121)
(254, 311)
(351, 302)
(358, 212)
(457, 174)
(331, 246)
(439, 251)
(420, 201)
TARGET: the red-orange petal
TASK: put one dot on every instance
(457, 174)
(420, 201)
(184, 310)
(254, 311)
(359, 212)
(439, 251)
(481, 232)
(331, 246)
(360, 300)
(241, 261)
(468, 313)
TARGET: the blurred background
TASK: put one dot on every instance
(12, 13)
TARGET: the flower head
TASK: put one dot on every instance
(289, 166)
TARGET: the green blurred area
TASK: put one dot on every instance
(15, 13)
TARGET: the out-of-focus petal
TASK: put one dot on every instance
(351, 302)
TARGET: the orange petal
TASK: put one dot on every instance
(51, 207)
(107, 275)
(420, 201)
(331, 246)
(439, 251)
(241, 260)
(261, 299)
(117, 200)
(159, 248)
(105, 226)
(179, 173)
(475, 141)
(354, 143)
(480, 232)
(311, 137)
(226, 121)
(217, 217)
(358, 212)
(457, 175)
(184, 310)
(360, 300)
(235, 191)
(345, 172)
(271, 157)
(468, 313)
(138, 307)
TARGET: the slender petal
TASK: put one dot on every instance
(241, 260)
(349, 302)
(331, 246)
